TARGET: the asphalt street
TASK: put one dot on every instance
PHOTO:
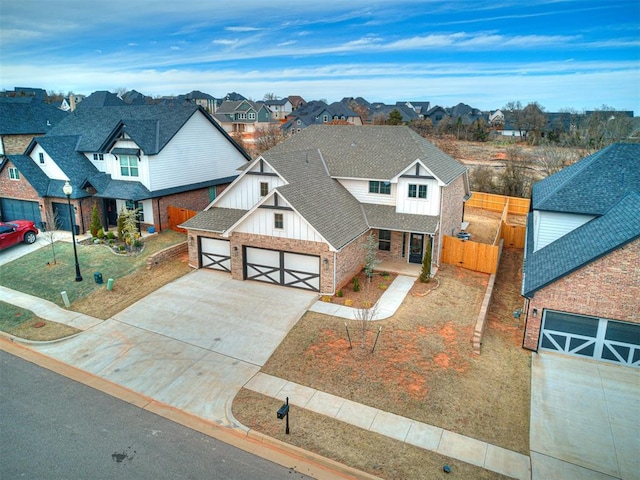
(55, 428)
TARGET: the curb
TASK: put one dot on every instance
(256, 443)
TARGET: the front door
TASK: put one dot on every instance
(111, 212)
(416, 244)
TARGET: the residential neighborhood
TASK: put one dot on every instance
(348, 267)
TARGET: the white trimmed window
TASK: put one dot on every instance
(41, 157)
(13, 173)
(417, 191)
(264, 189)
(128, 165)
(278, 220)
(98, 156)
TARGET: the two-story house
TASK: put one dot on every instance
(582, 259)
(279, 108)
(147, 157)
(298, 215)
(244, 118)
(318, 112)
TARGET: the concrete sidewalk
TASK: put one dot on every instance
(428, 437)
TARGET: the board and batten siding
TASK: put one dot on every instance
(112, 162)
(418, 206)
(49, 167)
(245, 193)
(261, 222)
(360, 190)
(197, 153)
(550, 226)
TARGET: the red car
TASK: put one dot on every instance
(17, 231)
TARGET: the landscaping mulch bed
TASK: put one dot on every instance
(371, 289)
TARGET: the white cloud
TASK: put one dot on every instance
(242, 29)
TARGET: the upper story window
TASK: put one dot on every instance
(128, 165)
(325, 118)
(41, 157)
(98, 156)
(252, 116)
(278, 220)
(13, 173)
(380, 187)
(417, 191)
(264, 189)
(299, 122)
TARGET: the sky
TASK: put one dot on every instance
(563, 54)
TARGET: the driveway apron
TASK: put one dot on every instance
(191, 344)
(585, 419)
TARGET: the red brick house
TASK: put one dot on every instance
(582, 259)
(299, 214)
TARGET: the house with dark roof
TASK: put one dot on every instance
(280, 108)
(298, 214)
(317, 112)
(22, 118)
(581, 276)
(145, 157)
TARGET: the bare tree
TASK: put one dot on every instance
(270, 96)
(49, 232)
(482, 179)
(516, 179)
(364, 315)
(267, 138)
(550, 159)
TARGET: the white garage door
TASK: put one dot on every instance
(282, 268)
(597, 338)
(215, 254)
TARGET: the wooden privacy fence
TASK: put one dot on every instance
(497, 203)
(178, 216)
(482, 257)
(479, 257)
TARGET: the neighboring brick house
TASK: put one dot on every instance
(135, 156)
(582, 259)
(299, 214)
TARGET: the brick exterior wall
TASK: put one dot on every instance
(194, 200)
(16, 144)
(19, 189)
(606, 288)
(349, 261)
(451, 214)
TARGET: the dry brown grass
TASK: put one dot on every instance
(41, 330)
(131, 288)
(483, 224)
(423, 367)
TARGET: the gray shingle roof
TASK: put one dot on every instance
(215, 219)
(31, 172)
(372, 152)
(101, 98)
(150, 126)
(385, 217)
(592, 185)
(308, 160)
(28, 118)
(616, 228)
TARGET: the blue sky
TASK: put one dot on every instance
(563, 54)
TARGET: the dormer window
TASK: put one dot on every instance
(128, 165)
(380, 187)
(98, 156)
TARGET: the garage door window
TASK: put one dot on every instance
(591, 337)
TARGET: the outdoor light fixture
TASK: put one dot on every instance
(535, 313)
(68, 190)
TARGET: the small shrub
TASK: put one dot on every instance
(100, 233)
(326, 298)
(137, 243)
(339, 293)
(111, 235)
(356, 284)
(385, 275)
(383, 286)
(348, 302)
(95, 221)
(111, 241)
(122, 248)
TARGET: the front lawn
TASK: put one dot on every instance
(37, 275)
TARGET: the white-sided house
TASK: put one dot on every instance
(299, 214)
(147, 157)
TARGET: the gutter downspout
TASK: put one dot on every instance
(440, 228)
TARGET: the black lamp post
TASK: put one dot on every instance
(68, 190)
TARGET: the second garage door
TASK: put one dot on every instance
(282, 268)
(215, 254)
(20, 210)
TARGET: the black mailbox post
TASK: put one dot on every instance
(284, 412)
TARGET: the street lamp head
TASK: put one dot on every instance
(67, 189)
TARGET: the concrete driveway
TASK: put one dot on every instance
(191, 344)
(585, 419)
